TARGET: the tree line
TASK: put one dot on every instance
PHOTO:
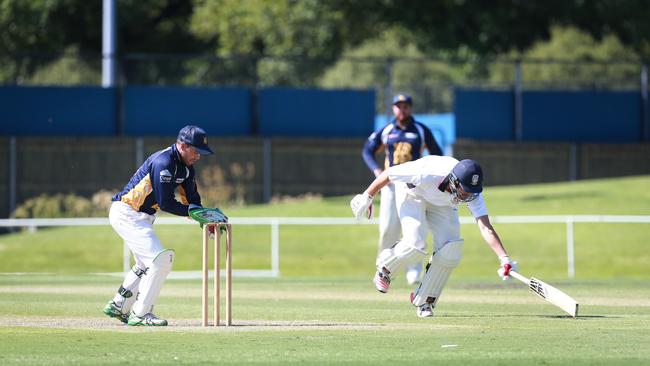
(330, 43)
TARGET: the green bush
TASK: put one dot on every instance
(65, 205)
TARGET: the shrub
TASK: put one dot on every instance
(65, 205)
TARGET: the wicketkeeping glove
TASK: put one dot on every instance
(361, 206)
(207, 215)
(506, 266)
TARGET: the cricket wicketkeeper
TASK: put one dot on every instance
(432, 187)
(132, 214)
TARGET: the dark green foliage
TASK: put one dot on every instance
(244, 34)
(64, 205)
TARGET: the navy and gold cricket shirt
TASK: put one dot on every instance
(154, 184)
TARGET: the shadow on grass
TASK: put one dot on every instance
(561, 196)
(579, 317)
(298, 324)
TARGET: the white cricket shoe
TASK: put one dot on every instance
(425, 311)
(148, 319)
(382, 281)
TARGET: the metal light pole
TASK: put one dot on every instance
(108, 44)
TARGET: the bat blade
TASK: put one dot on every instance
(549, 293)
(554, 296)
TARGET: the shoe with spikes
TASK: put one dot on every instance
(382, 281)
(114, 311)
(148, 319)
(425, 310)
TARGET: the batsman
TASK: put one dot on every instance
(403, 139)
(433, 187)
(133, 212)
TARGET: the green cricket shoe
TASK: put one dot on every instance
(148, 319)
(114, 311)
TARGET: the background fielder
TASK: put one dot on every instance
(432, 187)
(132, 215)
(403, 139)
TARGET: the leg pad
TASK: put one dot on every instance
(152, 282)
(439, 268)
(398, 256)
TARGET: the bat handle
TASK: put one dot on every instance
(519, 276)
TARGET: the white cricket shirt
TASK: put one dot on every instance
(426, 174)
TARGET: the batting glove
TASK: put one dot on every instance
(361, 206)
(507, 265)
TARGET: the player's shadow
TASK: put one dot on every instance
(281, 324)
(573, 195)
(579, 317)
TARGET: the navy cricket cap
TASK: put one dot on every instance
(470, 175)
(195, 136)
(402, 98)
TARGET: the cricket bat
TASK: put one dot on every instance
(549, 293)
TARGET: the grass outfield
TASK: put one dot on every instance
(324, 308)
(602, 250)
(57, 320)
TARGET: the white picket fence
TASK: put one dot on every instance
(276, 222)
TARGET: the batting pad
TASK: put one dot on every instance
(398, 256)
(152, 282)
(442, 263)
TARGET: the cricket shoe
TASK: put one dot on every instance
(114, 311)
(413, 276)
(382, 281)
(425, 310)
(148, 319)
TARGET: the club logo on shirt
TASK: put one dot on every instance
(474, 179)
(165, 176)
(410, 135)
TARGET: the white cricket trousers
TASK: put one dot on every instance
(136, 229)
(390, 227)
(418, 218)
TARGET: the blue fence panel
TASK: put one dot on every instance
(162, 111)
(316, 113)
(57, 111)
(484, 115)
(443, 126)
(583, 116)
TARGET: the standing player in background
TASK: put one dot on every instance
(132, 214)
(434, 186)
(403, 140)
